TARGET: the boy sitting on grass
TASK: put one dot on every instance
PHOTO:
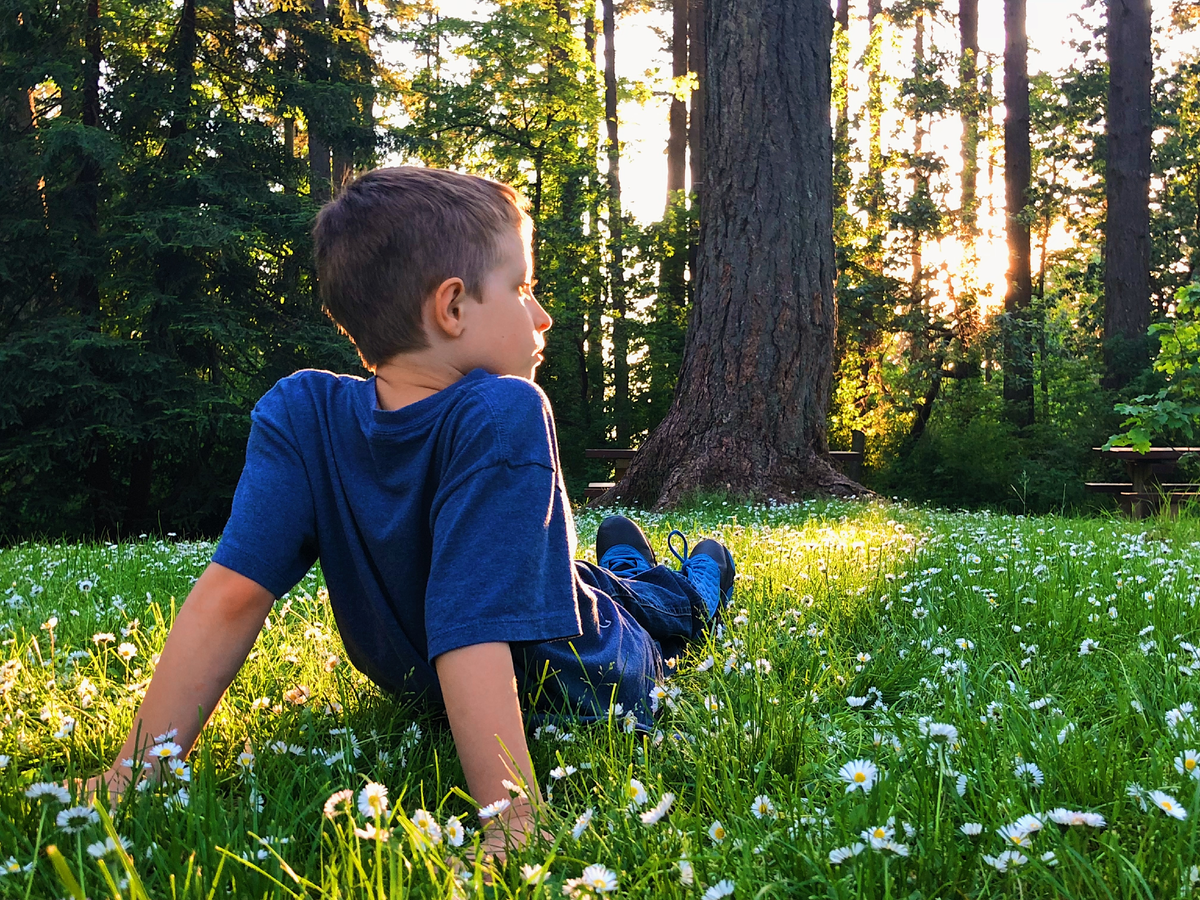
(433, 497)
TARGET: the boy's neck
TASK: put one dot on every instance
(408, 378)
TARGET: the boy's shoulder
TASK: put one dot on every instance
(511, 415)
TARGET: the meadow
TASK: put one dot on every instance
(900, 703)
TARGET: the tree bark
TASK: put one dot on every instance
(319, 171)
(677, 140)
(749, 415)
(920, 179)
(1018, 349)
(1127, 180)
(968, 24)
(616, 265)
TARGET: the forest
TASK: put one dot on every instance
(1014, 286)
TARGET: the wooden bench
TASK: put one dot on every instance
(1145, 493)
(849, 461)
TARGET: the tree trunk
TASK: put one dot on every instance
(920, 179)
(319, 171)
(677, 141)
(1018, 349)
(1127, 179)
(968, 23)
(616, 265)
(594, 335)
(749, 413)
(841, 140)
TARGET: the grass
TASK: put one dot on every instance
(989, 668)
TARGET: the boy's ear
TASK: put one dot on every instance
(446, 307)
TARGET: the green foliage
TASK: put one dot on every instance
(1172, 413)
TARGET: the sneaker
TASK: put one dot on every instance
(622, 548)
(709, 568)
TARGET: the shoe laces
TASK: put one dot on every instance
(624, 560)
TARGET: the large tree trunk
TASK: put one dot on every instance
(919, 176)
(749, 413)
(968, 25)
(616, 266)
(677, 140)
(1018, 348)
(1127, 178)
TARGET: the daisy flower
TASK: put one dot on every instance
(455, 833)
(127, 651)
(859, 773)
(167, 750)
(723, 888)
(878, 836)
(970, 829)
(494, 808)
(107, 847)
(338, 802)
(1029, 772)
(534, 875)
(246, 759)
(841, 854)
(74, 819)
(371, 833)
(1188, 764)
(1072, 817)
(716, 832)
(48, 789)
(651, 816)
(582, 823)
(1088, 646)
(1014, 834)
(428, 826)
(11, 867)
(635, 793)
(597, 878)
(686, 874)
(1007, 860)
(1167, 804)
(762, 807)
(562, 772)
(937, 731)
(373, 800)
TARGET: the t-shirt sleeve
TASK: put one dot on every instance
(503, 537)
(271, 534)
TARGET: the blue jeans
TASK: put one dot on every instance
(630, 625)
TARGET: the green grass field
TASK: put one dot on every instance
(903, 703)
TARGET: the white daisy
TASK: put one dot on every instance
(455, 833)
(1006, 860)
(841, 854)
(534, 875)
(74, 819)
(338, 802)
(373, 800)
(687, 875)
(1027, 771)
(167, 750)
(582, 823)
(635, 792)
(716, 832)
(598, 878)
(428, 826)
(1072, 817)
(1187, 763)
(107, 847)
(859, 773)
(1167, 804)
(723, 888)
(48, 789)
(879, 835)
(970, 829)
(494, 808)
(652, 816)
(762, 807)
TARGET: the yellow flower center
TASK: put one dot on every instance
(1166, 804)
(719, 833)
(860, 777)
(1189, 763)
(879, 833)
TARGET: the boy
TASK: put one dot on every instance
(433, 497)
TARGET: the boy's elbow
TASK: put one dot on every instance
(230, 596)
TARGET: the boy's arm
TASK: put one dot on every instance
(479, 687)
(209, 641)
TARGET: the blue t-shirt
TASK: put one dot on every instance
(439, 525)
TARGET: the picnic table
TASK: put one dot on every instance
(1146, 490)
(850, 462)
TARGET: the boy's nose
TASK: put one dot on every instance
(542, 320)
